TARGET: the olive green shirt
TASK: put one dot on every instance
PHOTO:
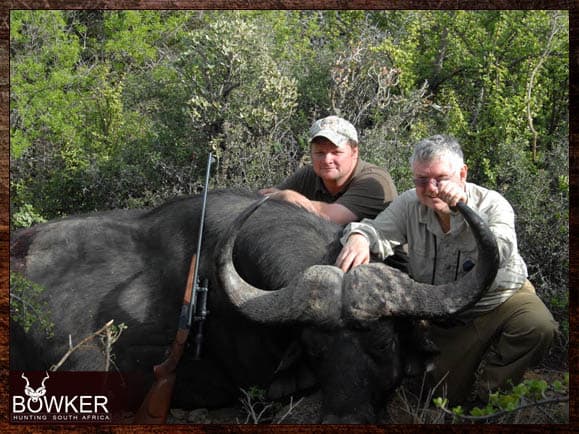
(369, 190)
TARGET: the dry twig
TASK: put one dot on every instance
(109, 337)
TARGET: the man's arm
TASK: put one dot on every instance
(331, 211)
(334, 212)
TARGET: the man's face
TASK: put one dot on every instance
(428, 176)
(333, 164)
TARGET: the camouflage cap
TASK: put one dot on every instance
(337, 130)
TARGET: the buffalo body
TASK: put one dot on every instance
(131, 267)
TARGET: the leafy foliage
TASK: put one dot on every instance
(529, 393)
(26, 308)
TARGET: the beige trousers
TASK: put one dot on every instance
(511, 338)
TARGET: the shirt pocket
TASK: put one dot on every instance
(421, 262)
(468, 256)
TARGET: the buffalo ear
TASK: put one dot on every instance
(290, 356)
(292, 374)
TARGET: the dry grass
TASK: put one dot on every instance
(409, 407)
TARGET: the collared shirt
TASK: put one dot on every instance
(436, 257)
(369, 190)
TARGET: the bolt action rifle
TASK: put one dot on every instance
(155, 406)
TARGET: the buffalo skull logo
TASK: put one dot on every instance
(35, 394)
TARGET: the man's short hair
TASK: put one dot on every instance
(436, 147)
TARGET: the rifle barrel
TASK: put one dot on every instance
(193, 305)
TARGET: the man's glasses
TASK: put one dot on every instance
(423, 182)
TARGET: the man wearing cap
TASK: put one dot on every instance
(338, 185)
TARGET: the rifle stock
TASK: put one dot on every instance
(155, 406)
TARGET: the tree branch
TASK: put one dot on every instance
(105, 328)
(555, 27)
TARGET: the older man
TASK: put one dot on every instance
(509, 326)
(338, 185)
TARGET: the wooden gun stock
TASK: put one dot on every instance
(155, 406)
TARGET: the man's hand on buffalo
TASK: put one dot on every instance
(355, 252)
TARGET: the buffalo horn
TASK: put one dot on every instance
(375, 290)
(313, 296)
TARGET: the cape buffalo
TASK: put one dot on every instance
(309, 327)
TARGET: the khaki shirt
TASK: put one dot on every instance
(436, 257)
(369, 190)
